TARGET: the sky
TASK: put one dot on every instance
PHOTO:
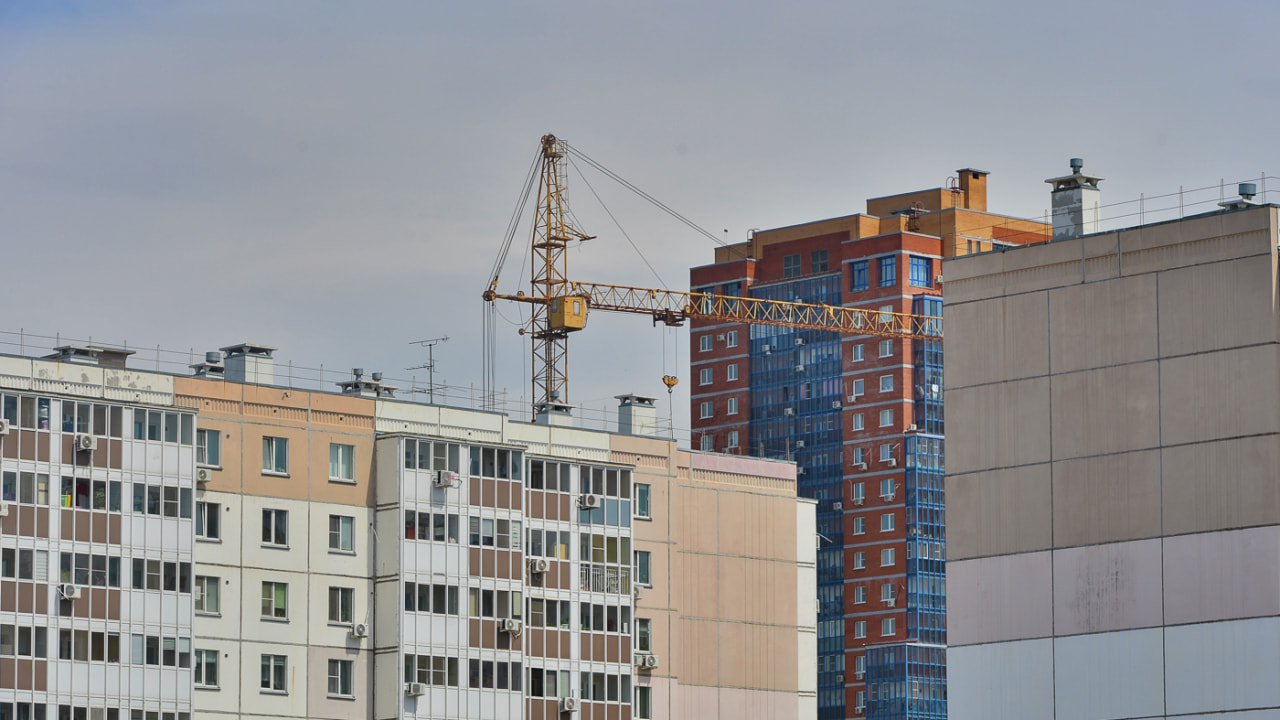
(336, 179)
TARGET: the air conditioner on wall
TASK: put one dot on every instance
(893, 462)
(510, 625)
(538, 566)
(444, 478)
(415, 689)
(69, 591)
(360, 630)
(569, 704)
(86, 442)
(4, 508)
(202, 475)
(4, 426)
(587, 502)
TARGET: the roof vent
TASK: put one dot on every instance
(1077, 203)
(371, 388)
(1247, 192)
(90, 355)
(250, 363)
(211, 368)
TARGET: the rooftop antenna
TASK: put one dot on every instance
(430, 365)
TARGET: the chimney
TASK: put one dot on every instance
(211, 368)
(372, 388)
(90, 355)
(637, 415)
(553, 412)
(250, 363)
(973, 184)
(1077, 203)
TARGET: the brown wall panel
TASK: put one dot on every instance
(611, 649)
(25, 525)
(113, 604)
(473, 486)
(98, 527)
(27, 445)
(503, 497)
(42, 447)
(474, 556)
(536, 501)
(26, 674)
(42, 675)
(42, 598)
(82, 520)
(67, 525)
(42, 522)
(517, 496)
(26, 597)
(8, 596)
(8, 672)
(116, 454)
(473, 632)
(9, 444)
(113, 529)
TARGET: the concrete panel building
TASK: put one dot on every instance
(221, 545)
(1113, 500)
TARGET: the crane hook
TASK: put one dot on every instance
(670, 381)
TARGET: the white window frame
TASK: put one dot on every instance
(644, 635)
(856, 354)
(859, 595)
(708, 442)
(731, 372)
(642, 706)
(886, 417)
(643, 508)
(201, 662)
(731, 338)
(272, 663)
(706, 376)
(860, 629)
(887, 522)
(860, 525)
(203, 447)
(275, 456)
(859, 491)
(731, 406)
(269, 594)
(888, 627)
(886, 383)
(886, 452)
(858, 425)
(733, 439)
(342, 681)
(338, 526)
(205, 511)
(859, 388)
(342, 462)
(886, 348)
(707, 409)
(888, 591)
(859, 560)
(204, 583)
(887, 557)
(705, 343)
(342, 605)
(643, 559)
(275, 521)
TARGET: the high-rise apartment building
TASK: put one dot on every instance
(223, 545)
(1113, 506)
(862, 417)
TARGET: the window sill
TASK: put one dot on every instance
(341, 697)
(216, 541)
(265, 691)
(342, 481)
(345, 626)
(207, 687)
(273, 473)
(273, 546)
(283, 620)
(339, 551)
(207, 466)
(646, 518)
(206, 614)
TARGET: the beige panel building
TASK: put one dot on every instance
(1113, 501)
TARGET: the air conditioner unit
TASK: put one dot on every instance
(911, 428)
(840, 677)
(415, 689)
(799, 341)
(510, 625)
(858, 675)
(853, 399)
(203, 475)
(444, 478)
(4, 426)
(837, 505)
(4, 508)
(589, 501)
(86, 442)
(939, 278)
(569, 704)
(720, 338)
(861, 466)
(647, 661)
(799, 443)
(891, 602)
(637, 592)
(788, 411)
(765, 348)
(888, 497)
(360, 630)
(858, 501)
(69, 591)
(538, 566)
(835, 404)
(799, 368)
(893, 462)
(858, 709)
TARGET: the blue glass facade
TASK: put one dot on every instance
(909, 680)
(795, 413)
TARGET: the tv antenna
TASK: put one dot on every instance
(430, 365)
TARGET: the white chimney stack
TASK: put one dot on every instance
(250, 363)
(1077, 203)
(637, 415)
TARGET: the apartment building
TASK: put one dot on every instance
(294, 553)
(861, 416)
(1112, 498)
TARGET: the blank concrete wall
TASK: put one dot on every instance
(1004, 680)
(1109, 675)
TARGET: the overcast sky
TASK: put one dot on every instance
(335, 179)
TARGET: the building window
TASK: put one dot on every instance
(819, 261)
(642, 567)
(342, 533)
(859, 388)
(704, 343)
(342, 462)
(708, 443)
(642, 709)
(858, 276)
(859, 526)
(342, 605)
(888, 271)
(705, 376)
(642, 500)
(859, 595)
(860, 457)
(886, 452)
(886, 488)
(731, 406)
(860, 629)
(856, 353)
(886, 383)
(731, 338)
(886, 418)
(886, 556)
(209, 448)
(643, 635)
(208, 521)
(731, 372)
(859, 560)
(859, 492)
(860, 704)
(275, 600)
(886, 348)
(887, 627)
(274, 672)
(888, 592)
(886, 522)
(791, 266)
(341, 678)
(206, 599)
(921, 272)
(857, 423)
(707, 409)
(275, 527)
(733, 438)
(206, 668)
(275, 455)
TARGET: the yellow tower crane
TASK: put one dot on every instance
(560, 305)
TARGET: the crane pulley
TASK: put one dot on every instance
(560, 305)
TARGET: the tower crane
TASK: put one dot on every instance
(560, 305)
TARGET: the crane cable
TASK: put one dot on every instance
(618, 225)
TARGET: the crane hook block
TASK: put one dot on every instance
(670, 381)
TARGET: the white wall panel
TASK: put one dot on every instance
(1002, 681)
(994, 599)
(1110, 675)
(1115, 586)
(1222, 575)
(1223, 666)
